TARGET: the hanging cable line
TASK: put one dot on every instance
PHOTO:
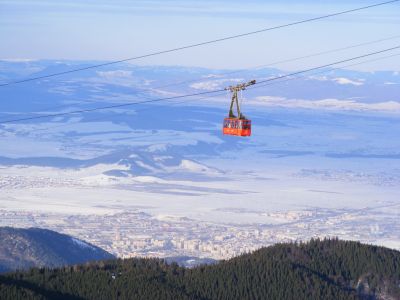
(221, 93)
(195, 94)
(237, 71)
(324, 71)
(289, 60)
(172, 101)
(199, 44)
(328, 65)
(108, 107)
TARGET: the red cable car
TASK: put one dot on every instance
(237, 125)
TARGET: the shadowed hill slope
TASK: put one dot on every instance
(33, 247)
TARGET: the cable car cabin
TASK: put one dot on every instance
(236, 126)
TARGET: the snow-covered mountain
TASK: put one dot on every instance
(301, 129)
(34, 247)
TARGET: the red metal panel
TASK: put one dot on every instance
(237, 127)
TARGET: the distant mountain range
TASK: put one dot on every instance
(35, 247)
(124, 83)
(328, 269)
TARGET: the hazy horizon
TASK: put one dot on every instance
(88, 30)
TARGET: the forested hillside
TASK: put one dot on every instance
(328, 269)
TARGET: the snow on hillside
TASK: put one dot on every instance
(342, 80)
(171, 155)
(82, 244)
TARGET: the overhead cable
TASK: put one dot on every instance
(194, 94)
(199, 44)
(238, 71)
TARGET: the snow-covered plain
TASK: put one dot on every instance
(170, 159)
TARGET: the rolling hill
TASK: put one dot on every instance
(319, 269)
(35, 247)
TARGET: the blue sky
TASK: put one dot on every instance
(107, 30)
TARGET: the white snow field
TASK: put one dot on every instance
(319, 145)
